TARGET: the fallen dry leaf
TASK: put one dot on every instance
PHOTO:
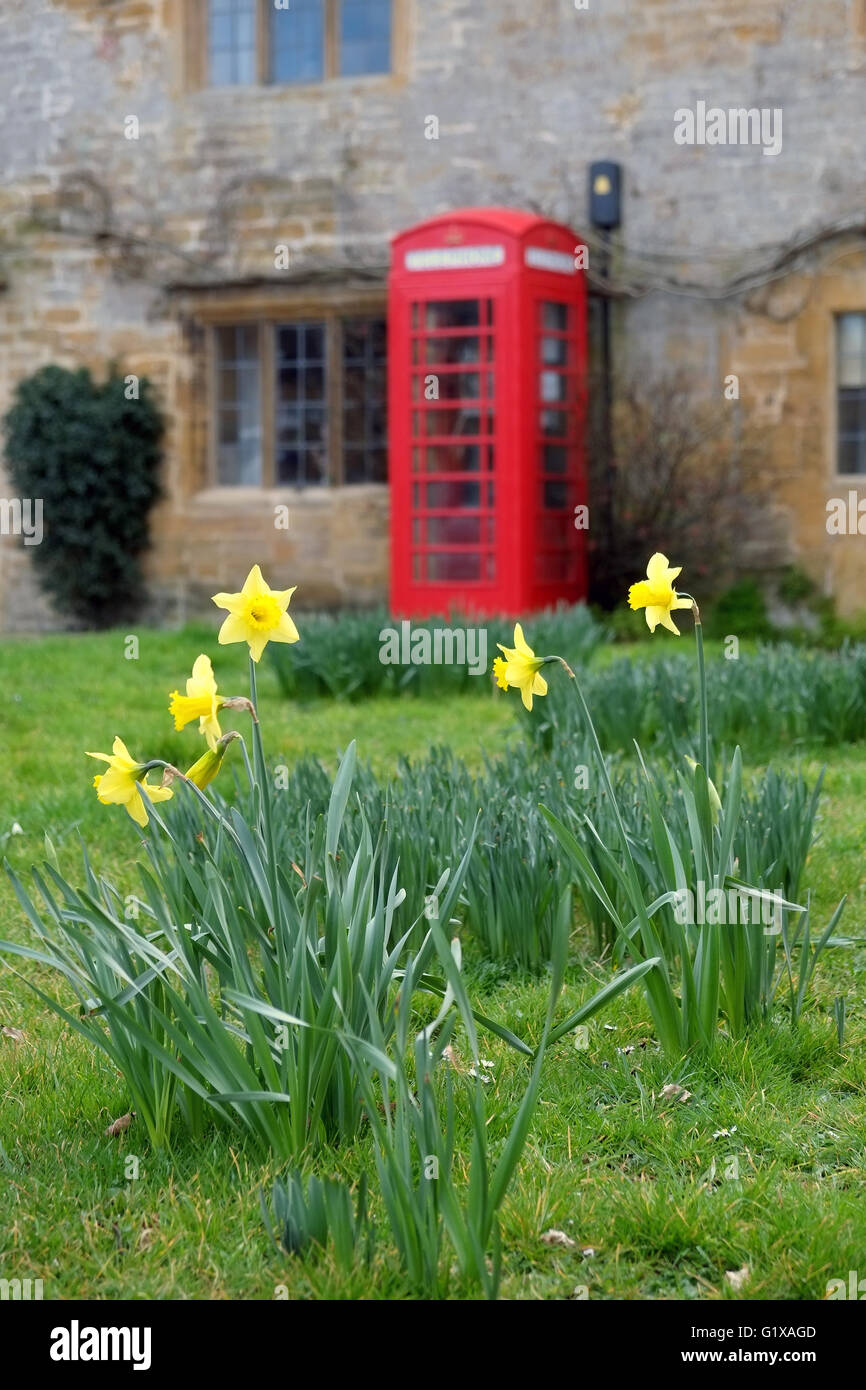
(674, 1092)
(737, 1277)
(120, 1126)
(15, 1035)
(558, 1238)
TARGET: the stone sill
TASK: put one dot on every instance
(253, 499)
(324, 88)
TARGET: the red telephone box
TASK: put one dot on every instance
(487, 391)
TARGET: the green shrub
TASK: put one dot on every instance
(92, 456)
(741, 610)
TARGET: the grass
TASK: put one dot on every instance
(638, 1179)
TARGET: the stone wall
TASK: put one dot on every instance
(98, 232)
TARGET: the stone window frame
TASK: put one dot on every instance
(266, 310)
(195, 48)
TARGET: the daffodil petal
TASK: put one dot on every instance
(285, 631)
(657, 569)
(234, 629)
(254, 584)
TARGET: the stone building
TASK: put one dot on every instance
(204, 191)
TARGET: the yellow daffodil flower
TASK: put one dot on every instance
(657, 595)
(200, 702)
(125, 783)
(205, 770)
(520, 668)
(257, 615)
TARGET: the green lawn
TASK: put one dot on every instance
(666, 1202)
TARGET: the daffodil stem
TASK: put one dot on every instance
(181, 777)
(702, 682)
(648, 940)
(265, 795)
(605, 775)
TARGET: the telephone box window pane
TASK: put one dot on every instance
(553, 386)
(554, 458)
(451, 386)
(365, 37)
(452, 494)
(454, 313)
(554, 352)
(555, 495)
(453, 458)
(364, 399)
(554, 317)
(238, 421)
(447, 352)
(298, 42)
(449, 567)
(457, 422)
(554, 422)
(454, 530)
(301, 427)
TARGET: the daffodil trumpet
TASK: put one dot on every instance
(125, 783)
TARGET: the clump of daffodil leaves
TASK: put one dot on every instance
(700, 971)
(256, 615)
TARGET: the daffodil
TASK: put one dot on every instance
(205, 770)
(200, 702)
(520, 667)
(125, 783)
(257, 615)
(657, 595)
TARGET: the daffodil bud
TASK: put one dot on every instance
(205, 770)
(715, 800)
